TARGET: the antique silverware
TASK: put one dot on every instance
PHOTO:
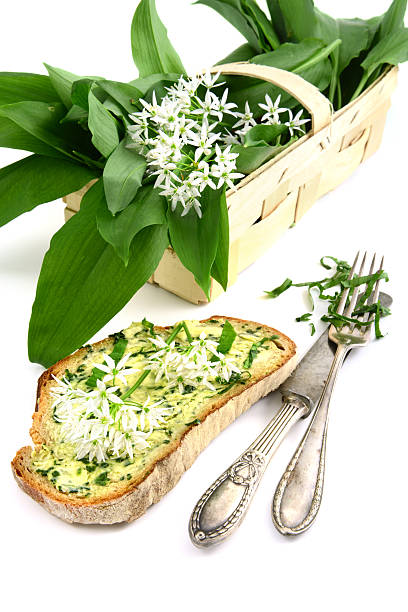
(298, 495)
(223, 506)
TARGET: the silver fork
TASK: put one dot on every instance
(298, 495)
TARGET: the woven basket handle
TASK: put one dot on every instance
(308, 95)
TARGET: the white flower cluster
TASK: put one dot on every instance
(181, 138)
(101, 425)
(186, 143)
(190, 366)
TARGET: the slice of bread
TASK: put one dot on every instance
(128, 487)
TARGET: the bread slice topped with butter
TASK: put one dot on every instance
(117, 423)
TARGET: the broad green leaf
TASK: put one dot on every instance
(262, 22)
(278, 20)
(80, 93)
(355, 36)
(290, 56)
(103, 126)
(13, 136)
(250, 158)
(264, 134)
(151, 49)
(393, 19)
(148, 208)
(122, 177)
(75, 114)
(242, 54)
(195, 240)
(83, 283)
(235, 18)
(300, 18)
(20, 86)
(219, 269)
(393, 49)
(62, 82)
(146, 83)
(36, 180)
(42, 121)
(227, 338)
(123, 93)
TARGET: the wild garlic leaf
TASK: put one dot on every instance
(219, 269)
(393, 18)
(83, 283)
(13, 136)
(125, 94)
(251, 157)
(42, 121)
(236, 18)
(36, 180)
(278, 20)
(102, 126)
(80, 93)
(227, 338)
(265, 28)
(122, 177)
(393, 49)
(243, 53)
(195, 240)
(264, 134)
(148, 208)
(278, 290)
(20, 86)
(62, 81)
(151, 49)
(300, 18)
(145, 83)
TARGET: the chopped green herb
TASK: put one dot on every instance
(102, 480)
(68, 375)
(149, 326)
(116, 354)
(254, 350)
(195, 422)
(341, 270)
(226, 340)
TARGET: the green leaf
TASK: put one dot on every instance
(235, 18)
(278, 290)
(13, 136)
(219, 270)
(151, 49)
(264, 134)
(250, 158)
(42, 121)
(262, 22)
(147, 82)
(227, 338)
(62, 82)
(393, 49)
(195, 240)
(122, 177)
(278, 20)
(355, 36)
(300, 18)
(20, 86)
(290, 56)
(36, 180)
(103, 126)
(83, 283)
(393, 19)
(80, 93)
(123, 93)
(148, 208)
(242, 54)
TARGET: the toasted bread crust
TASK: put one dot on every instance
(132, 500)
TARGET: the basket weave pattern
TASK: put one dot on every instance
(278, 194)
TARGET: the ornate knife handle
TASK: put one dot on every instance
(299, 493)
(223, 506)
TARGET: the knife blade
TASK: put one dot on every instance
(223, 506)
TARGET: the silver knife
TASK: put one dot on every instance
(223, 506)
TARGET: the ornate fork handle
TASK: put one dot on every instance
(298, 495)
(221, 509)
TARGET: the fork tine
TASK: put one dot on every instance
(356, 290)
(364, 317)
(345, 293)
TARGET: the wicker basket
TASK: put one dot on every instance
(277, 194)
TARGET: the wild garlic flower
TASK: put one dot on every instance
(294, 123)
(99, 423)
(182, 138)
(272, 110)
(115, 371)
(190, 365)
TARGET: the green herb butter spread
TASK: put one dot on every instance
(173, 398)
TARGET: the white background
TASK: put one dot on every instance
(354, 557)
